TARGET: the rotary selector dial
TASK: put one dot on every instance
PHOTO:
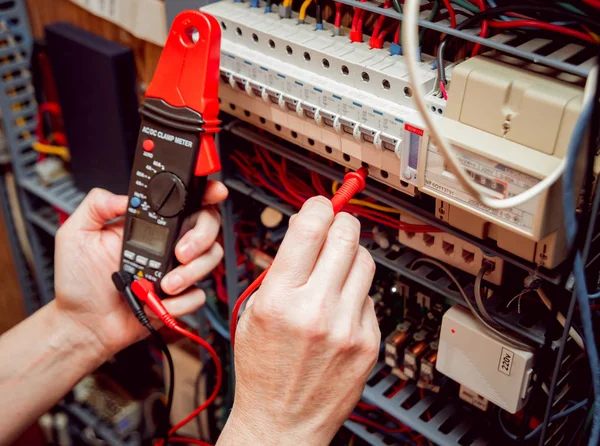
(166, 194)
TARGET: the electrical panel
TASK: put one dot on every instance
(457, 281)
(352, 104)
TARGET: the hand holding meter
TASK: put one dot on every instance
(175, 150)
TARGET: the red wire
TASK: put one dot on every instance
(355, 19)
(282, 176)
(338, 15)
(245, 295)
(397, 36)
(297, 199)
(213, 395)
(361, 17)
(379, 24)
(594, 3)
(366, 406)
(318, 185)
(391, 430)
(287, 185)
(484, 28)
(397, 390)
(219, 288)
(388, 30)
(444, 92)
(543, 25)
(258, 180)
(451, 13)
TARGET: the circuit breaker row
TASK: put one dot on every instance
(353, 104)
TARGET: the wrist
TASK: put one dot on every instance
(78, 338)
(245, 428)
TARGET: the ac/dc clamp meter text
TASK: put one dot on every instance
(175, 150)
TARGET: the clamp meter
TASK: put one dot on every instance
(175, 151)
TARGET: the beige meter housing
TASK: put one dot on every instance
(510, 128)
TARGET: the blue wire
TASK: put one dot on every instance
(568, 192)
(216, 324)
(595, 295)
(537, 430)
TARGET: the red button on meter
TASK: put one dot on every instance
(148, 145)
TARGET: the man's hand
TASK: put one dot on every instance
(88, 251)
(306, 344)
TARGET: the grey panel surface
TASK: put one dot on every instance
(174, 7)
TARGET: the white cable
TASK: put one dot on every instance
(410, 39)
(560, 318)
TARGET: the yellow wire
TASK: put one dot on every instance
(287, 3)
(334, 187)
(303, 8)
(595, 36)
(60, 151)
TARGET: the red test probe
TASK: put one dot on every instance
(354, 182)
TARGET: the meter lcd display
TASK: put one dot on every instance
(148, 236)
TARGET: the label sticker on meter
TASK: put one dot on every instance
(494, 179)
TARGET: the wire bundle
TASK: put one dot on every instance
(291, 189)
(514, 18)
(410, 38)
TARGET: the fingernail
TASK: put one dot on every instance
(315, 202)
(222, 188)
(174, 282)
(186, 252)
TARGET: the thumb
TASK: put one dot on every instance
(98, 207)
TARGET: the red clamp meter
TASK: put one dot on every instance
(175, 150)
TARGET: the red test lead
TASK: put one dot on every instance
(144, 290)
(354, 183)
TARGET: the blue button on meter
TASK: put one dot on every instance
(135, 202)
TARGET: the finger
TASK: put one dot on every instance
(199, 239)
(98, 207)
(184, 276)
(187, 303)
(357, 285)
(189, 222)
(300, 248)
(215, 193)
(338, 253)
(369, 320)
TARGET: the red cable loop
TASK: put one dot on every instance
(144, 290)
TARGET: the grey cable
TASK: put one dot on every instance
(479, 300)
(497, 333)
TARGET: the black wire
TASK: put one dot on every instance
(557, 13)
(163, 347)
(318, 14)
(592, 143)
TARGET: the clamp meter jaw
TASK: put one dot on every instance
(175, 151)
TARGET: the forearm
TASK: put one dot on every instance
(42, 359)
